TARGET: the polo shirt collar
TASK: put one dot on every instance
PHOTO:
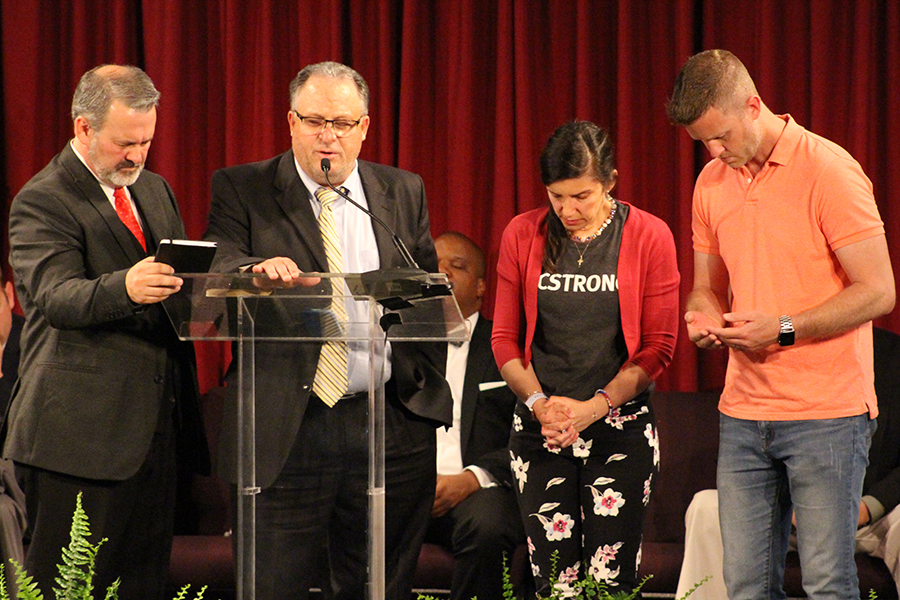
(787, 142)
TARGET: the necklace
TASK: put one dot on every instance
(590, 238)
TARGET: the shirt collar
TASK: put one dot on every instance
(352, 182)
(471, 321)
(786, 144)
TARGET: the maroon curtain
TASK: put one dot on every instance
(464, 93)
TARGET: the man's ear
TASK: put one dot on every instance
(754, 107)
(83, 130)
(480, 288)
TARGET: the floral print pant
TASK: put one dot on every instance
(586, 502)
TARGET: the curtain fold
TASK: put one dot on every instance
(465, 93)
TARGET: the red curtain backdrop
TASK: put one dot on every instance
(464, 93)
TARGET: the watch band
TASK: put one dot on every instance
(786, 335)
(534, 397)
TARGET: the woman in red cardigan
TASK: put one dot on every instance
(586, 318)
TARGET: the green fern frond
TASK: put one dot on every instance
(76, 574)
(621, 595)
(28, 589)
(72, 581)
(696, 585)
(183, 593)
(554, 566)
(507, 584)
(112, 592)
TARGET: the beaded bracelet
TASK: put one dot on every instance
(609, 403)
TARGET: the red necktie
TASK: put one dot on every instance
(123, 209)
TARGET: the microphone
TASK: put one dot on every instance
(398, 243)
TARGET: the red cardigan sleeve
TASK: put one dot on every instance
(508, 338)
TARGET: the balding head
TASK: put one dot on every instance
(102, 85)
(463, 263)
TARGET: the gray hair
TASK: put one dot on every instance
(334, 70)
(100, 86)
(711, 78)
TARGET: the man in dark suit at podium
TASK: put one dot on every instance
(475, 512)
(278, 218)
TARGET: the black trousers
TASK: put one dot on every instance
(479, 531)
(136, 516)
(312, 522)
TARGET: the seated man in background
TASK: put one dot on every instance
(879, 514)
(475, 513)
(12, 500)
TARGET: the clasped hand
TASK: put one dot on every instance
(562, 419)
(747, 331)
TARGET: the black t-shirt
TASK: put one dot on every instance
(578, 343)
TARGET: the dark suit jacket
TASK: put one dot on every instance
(95, 368)
(262, 210)
(487, 415)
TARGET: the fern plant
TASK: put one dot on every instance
(76, 574)
(588, 588)
(584, 589)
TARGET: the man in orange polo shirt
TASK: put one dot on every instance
(790, 267)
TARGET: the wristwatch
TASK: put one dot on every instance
(786, 335)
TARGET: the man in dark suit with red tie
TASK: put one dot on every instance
(106, 390)
(278, 218)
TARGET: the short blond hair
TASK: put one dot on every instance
(714, 78)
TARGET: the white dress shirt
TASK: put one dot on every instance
(449, 444)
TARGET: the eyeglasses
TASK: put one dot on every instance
(316, 125)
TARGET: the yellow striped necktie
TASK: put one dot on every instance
(331, 375)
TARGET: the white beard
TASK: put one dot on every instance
(113, 176)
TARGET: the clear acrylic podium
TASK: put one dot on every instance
(403, 306)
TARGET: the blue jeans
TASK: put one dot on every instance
(766, 470)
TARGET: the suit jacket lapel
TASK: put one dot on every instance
(293, 198)
(154, 219)
(479, 355)
(381, 204)
(93, 194)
